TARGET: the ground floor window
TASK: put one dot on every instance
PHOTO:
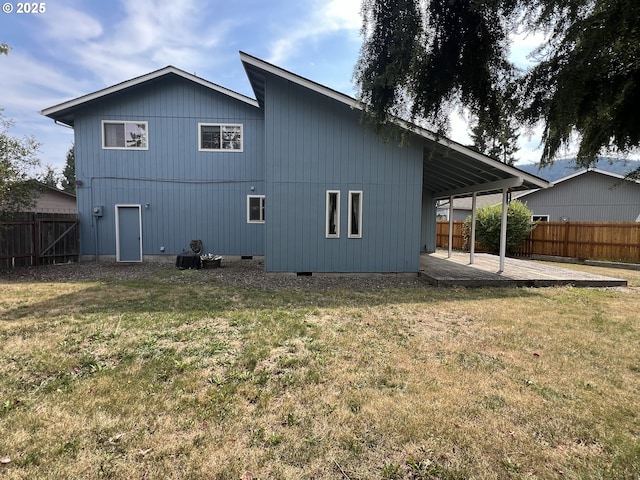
(355, 214)
(255, 209)
(539, 218)
(333, 214)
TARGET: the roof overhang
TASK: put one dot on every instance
(65, 112)
(450, 169)
(453, 170)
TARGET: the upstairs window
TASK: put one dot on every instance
(355, 214)
(124, 135)
(333, 214)
(220, 137)
(255, 209)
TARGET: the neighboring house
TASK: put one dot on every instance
(43, 233)
(294, 175)
(591, 195)
(462, 207)
(54, 200)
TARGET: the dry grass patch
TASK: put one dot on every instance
(145, 380)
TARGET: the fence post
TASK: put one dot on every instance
(36, 239)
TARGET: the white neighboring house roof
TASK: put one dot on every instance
(465, 203)
(582, 172)
(64, 112)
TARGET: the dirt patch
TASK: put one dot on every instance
(248, 273)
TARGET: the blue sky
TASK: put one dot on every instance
(76, 47)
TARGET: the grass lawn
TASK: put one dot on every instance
(152, 379)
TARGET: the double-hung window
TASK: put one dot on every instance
(124, 135)
(255, 209)
(218, 137)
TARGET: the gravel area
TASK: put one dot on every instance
(247, 273)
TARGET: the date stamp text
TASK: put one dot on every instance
(24, 7)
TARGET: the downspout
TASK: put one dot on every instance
(95, 230)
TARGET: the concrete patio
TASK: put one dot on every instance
(441, 271)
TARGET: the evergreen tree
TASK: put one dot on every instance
(501, 145)
(68, 180)
(436, 55)
(49, 178)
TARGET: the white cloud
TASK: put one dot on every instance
(325, 19)
(31, 83)
(150, 35)
(66, 24)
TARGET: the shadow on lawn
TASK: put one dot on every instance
(214, 299)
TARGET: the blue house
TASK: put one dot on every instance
(294, 175)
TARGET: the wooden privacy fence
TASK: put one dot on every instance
(39, 239)
(611, 241)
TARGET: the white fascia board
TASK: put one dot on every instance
(582, 172)
(573, 175)
(304, 82)
(595, 170)
(448, 143)
(145, 78)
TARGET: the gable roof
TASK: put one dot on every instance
(579, 173)
(450, 169)
(65, 112)
(595, 170)
(54, 190)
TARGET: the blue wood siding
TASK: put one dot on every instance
(428, 231)
(314, 144)
(191, 194)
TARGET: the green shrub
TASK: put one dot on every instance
(488, 218)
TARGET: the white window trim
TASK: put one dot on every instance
(351, 194)
(117, 208)
(541, 218)
(249, 197)
(140, 122)
(326, 222)
(210, 124)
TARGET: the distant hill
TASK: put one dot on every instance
(564, 168)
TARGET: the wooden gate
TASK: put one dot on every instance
(30, 239)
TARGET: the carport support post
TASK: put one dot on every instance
(472, 246)
(503, 229)
(450, 227)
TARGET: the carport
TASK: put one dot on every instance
(451, 170)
